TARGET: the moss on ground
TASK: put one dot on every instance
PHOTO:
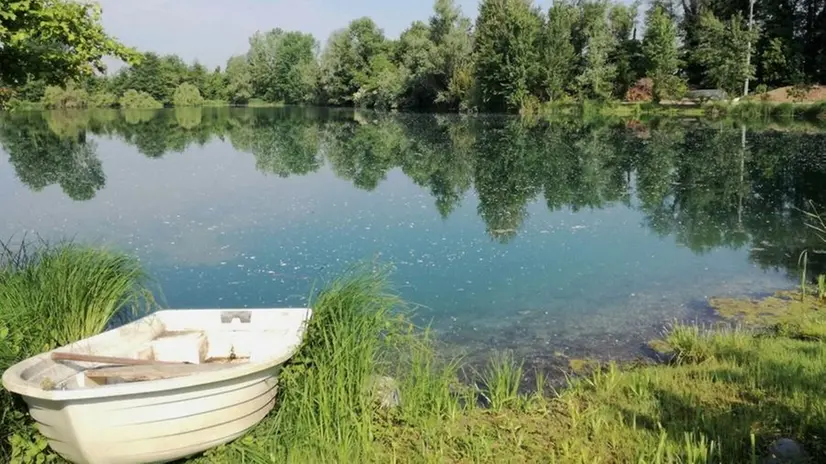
(790, 314)
(582, 366)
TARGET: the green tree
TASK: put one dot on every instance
(187, 95)
(239, 81)
(277, 60)
(383, 85)
(506, 52)
(595, 43)
(558, 53)
(32, 90)
(418, 54)
(215, 85)
(197, 76)
(346, 61)
(54, 40)
(662, 62)
(65, 98)
(627, 53)
(773, 63)
(450, 32)
(722, 52)
(148, 76)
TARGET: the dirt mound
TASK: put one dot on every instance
(816, 94)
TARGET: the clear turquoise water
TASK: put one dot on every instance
(560, 236)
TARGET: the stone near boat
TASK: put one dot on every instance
(704, 95)
(164, 387)
(786, 451)
(385, 391)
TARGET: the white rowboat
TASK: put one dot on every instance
(150, 406)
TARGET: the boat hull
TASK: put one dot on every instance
(89, 419)
(160, 426)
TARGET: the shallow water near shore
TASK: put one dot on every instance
(561, 238)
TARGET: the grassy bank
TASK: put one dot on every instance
(725, 396)
(51, 295)
(367, 386)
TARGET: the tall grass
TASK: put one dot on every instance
(325, 409)
(52, 295)
(501, 379)
(784, 111)
(752, 111)
(727, 396)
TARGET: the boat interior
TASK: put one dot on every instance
(169, 344)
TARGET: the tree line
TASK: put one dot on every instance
(702, 184)
(514, 56)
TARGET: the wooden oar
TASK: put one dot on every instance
(59, 356)
(146, 372)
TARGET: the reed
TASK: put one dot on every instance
(52, 295)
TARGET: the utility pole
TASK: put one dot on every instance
(748, 52)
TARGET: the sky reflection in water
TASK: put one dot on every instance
(567, 235)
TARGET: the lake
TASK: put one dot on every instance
(571, 236)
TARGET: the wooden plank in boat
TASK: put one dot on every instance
(62, 356)
(151, 372)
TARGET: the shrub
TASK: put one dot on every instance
(762, 91)
(750, 110)
(132, 99)
(715, 109)
(530, 107)
(103, 100)
(65, 98)
(784, 111)
(641, 91)
(815, 112)
(187, 95)
(799, 92)
(6, 94)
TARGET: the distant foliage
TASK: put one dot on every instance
(103, 100)
(70, 97)
(596, 76)
(508, 33)
(517, 56)
(6, 94)
(662, 63)
(383, 85)
(642, 91)
(187, 95)
(722, 51)
(278, 63)
(133, 99)
(239, 81)
(353, 59)
(799, 92)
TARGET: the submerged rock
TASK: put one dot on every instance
(385, 391)
(785, 451)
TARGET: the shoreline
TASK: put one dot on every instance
(452, 410)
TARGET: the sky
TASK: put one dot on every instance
(213, 30)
